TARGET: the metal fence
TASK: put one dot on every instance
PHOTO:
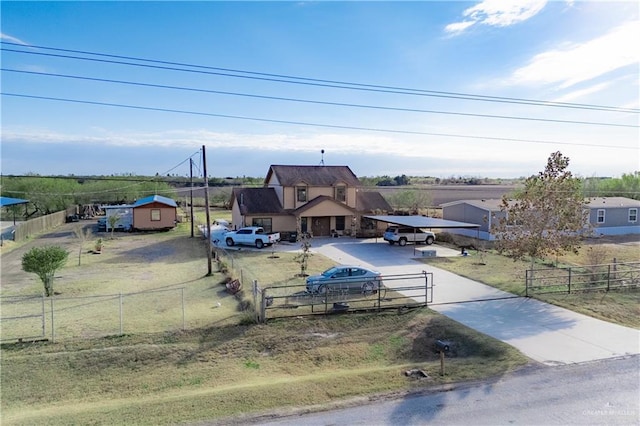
(62, 318)
(393, 292)
(606, 277)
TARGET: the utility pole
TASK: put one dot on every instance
(191, 194)
(206, 206)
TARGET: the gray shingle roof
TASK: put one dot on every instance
(313, 175)
(369, 202)
(257, 200)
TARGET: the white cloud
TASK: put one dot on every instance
(576, 94)
(497, 13)
(571, 64)
(11, 39)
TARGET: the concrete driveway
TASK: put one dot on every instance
(545, 333)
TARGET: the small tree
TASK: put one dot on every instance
(547, 217)
(112, 220)
(44, 262)
(303, 257)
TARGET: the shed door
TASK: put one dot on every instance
(321, 226)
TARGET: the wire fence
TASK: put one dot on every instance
(62, 318)
(606, 277)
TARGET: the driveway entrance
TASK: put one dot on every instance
(544, 332)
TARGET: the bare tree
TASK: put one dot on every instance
(547, 217)
(82, 234)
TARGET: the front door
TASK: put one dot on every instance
(321, 226)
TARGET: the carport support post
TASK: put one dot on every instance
(442, 363)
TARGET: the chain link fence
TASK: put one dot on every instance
(63, 318)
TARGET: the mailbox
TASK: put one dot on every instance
(442, 346)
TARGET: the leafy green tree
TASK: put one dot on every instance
(412, 200)
(44, 262)
(547, 217)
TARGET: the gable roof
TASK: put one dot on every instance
(319, 200)
(612, 202)
(370, 201)
(489, 205)
(313, 175)
(591, 203)
(257, 200)
(155, 199)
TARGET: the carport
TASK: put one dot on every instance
(424, 222)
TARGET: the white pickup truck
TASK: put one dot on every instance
(403, 235)
(251, 236)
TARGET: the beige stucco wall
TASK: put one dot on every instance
(290, 201)
(142, 217)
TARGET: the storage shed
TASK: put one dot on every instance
(154, 213)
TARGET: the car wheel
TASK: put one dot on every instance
(229, 242)
(429, 241)
(367, 288)
(402, 242)
(259, 244)
(322, 289)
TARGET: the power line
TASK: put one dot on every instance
(192, 89)
(201, 69)
(300, 123)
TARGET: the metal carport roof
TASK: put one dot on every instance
(423, 222)
(8, 201)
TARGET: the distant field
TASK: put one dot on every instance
(439, 193)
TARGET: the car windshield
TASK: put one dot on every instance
(329, 272)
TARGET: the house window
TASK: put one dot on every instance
(301, 193)
(264, 222)
(155, 215)
(600, 216)
(341, 193)
(339, 223)
(633, 215)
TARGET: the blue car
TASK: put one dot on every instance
(346, 279)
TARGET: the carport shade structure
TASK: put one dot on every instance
(8, 202)
(416, 222)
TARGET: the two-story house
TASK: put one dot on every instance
(322, 200)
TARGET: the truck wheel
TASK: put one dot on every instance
(259, 244)
(392, 242)
(429, 241)
(229, 242)
(402, 242)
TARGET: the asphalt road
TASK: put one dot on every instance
(597, 393)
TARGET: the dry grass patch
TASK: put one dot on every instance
(228, 370)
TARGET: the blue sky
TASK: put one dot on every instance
(430, 57)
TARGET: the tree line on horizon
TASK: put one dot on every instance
(48, 194)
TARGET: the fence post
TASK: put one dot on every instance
(526, 283)
(53, 330)
(44, 330)
(263, 306)
(254, 291)
(183, 313)
(569, 283)
(608, 276)
(121, 328)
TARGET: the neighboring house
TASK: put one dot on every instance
(321, 200)
(607, 215)
(155, 212)
(150, 213)
(614, 215)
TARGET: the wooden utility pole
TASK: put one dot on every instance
(206, 206)
(191, 194)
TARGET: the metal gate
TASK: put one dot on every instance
(394, 292)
